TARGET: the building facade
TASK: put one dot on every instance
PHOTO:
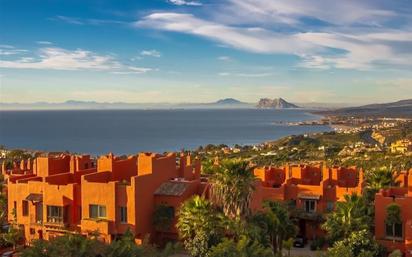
(312, 189)
(395, 235)
(75, 194)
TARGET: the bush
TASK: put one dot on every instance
(317, 244)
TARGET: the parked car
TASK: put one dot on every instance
(8, 254)
(299, 241)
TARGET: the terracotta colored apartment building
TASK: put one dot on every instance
(313, 189)
(397, 236)
(50, 196)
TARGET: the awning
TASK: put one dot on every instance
(172, 188)
(34, 198)
(309, 197)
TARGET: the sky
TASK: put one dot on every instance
(147, 51)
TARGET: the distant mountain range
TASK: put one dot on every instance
(277, 103)
(401, 108)
(92, 105)
(396, 109)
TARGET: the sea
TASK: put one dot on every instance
(99, 132)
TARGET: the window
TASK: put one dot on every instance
(54, 214)
(310, 206)
(14, 209)
(330, 206)
(394, 231)
(123, 214)
(39, 213)
(97, 211)
(25, 208)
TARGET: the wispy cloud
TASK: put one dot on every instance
(83, 21)
(133, 70)
(247, 75)
(11, 50)
(152, 53)
(44, 42)
(224, 58)
(184, 2)
(347, 12)
(54, 58)
(332, 47)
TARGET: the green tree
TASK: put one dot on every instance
(69, 245)
(357, 244)
(276, 224)
(199, 225)
(242, 248)
(125, 247)
(232, 188)
(3, 209)
(377, 179)
(349, 216)
(288, 244)
(396, 253)
(393, 216)
(13, 236)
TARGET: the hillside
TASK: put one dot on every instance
(401, 108)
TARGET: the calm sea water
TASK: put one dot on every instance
(131, 131)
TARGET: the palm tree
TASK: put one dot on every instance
(378, 179)
(199, 226)
(232, 187)
(349, 216)
(279, 225)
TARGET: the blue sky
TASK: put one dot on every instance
(351, 51)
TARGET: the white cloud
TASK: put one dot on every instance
(152, 53)
(11, 50)
(184, 2)
(291, 11)
(6, 46)
(133, 70)
(54, 58)
(44, 42)
(62, 59)
(224, 58)
(250, 39)
(326, 49)
(247, 75)
(82, 21)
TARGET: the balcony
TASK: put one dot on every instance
(100, 225)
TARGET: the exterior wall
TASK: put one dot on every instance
(153, 171)
(402, 197)
(176, 202)
(55, 195)
(301, 183)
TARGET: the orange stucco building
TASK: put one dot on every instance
(52, 195)
(63, 194)
(399, 236)
(313, 189)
